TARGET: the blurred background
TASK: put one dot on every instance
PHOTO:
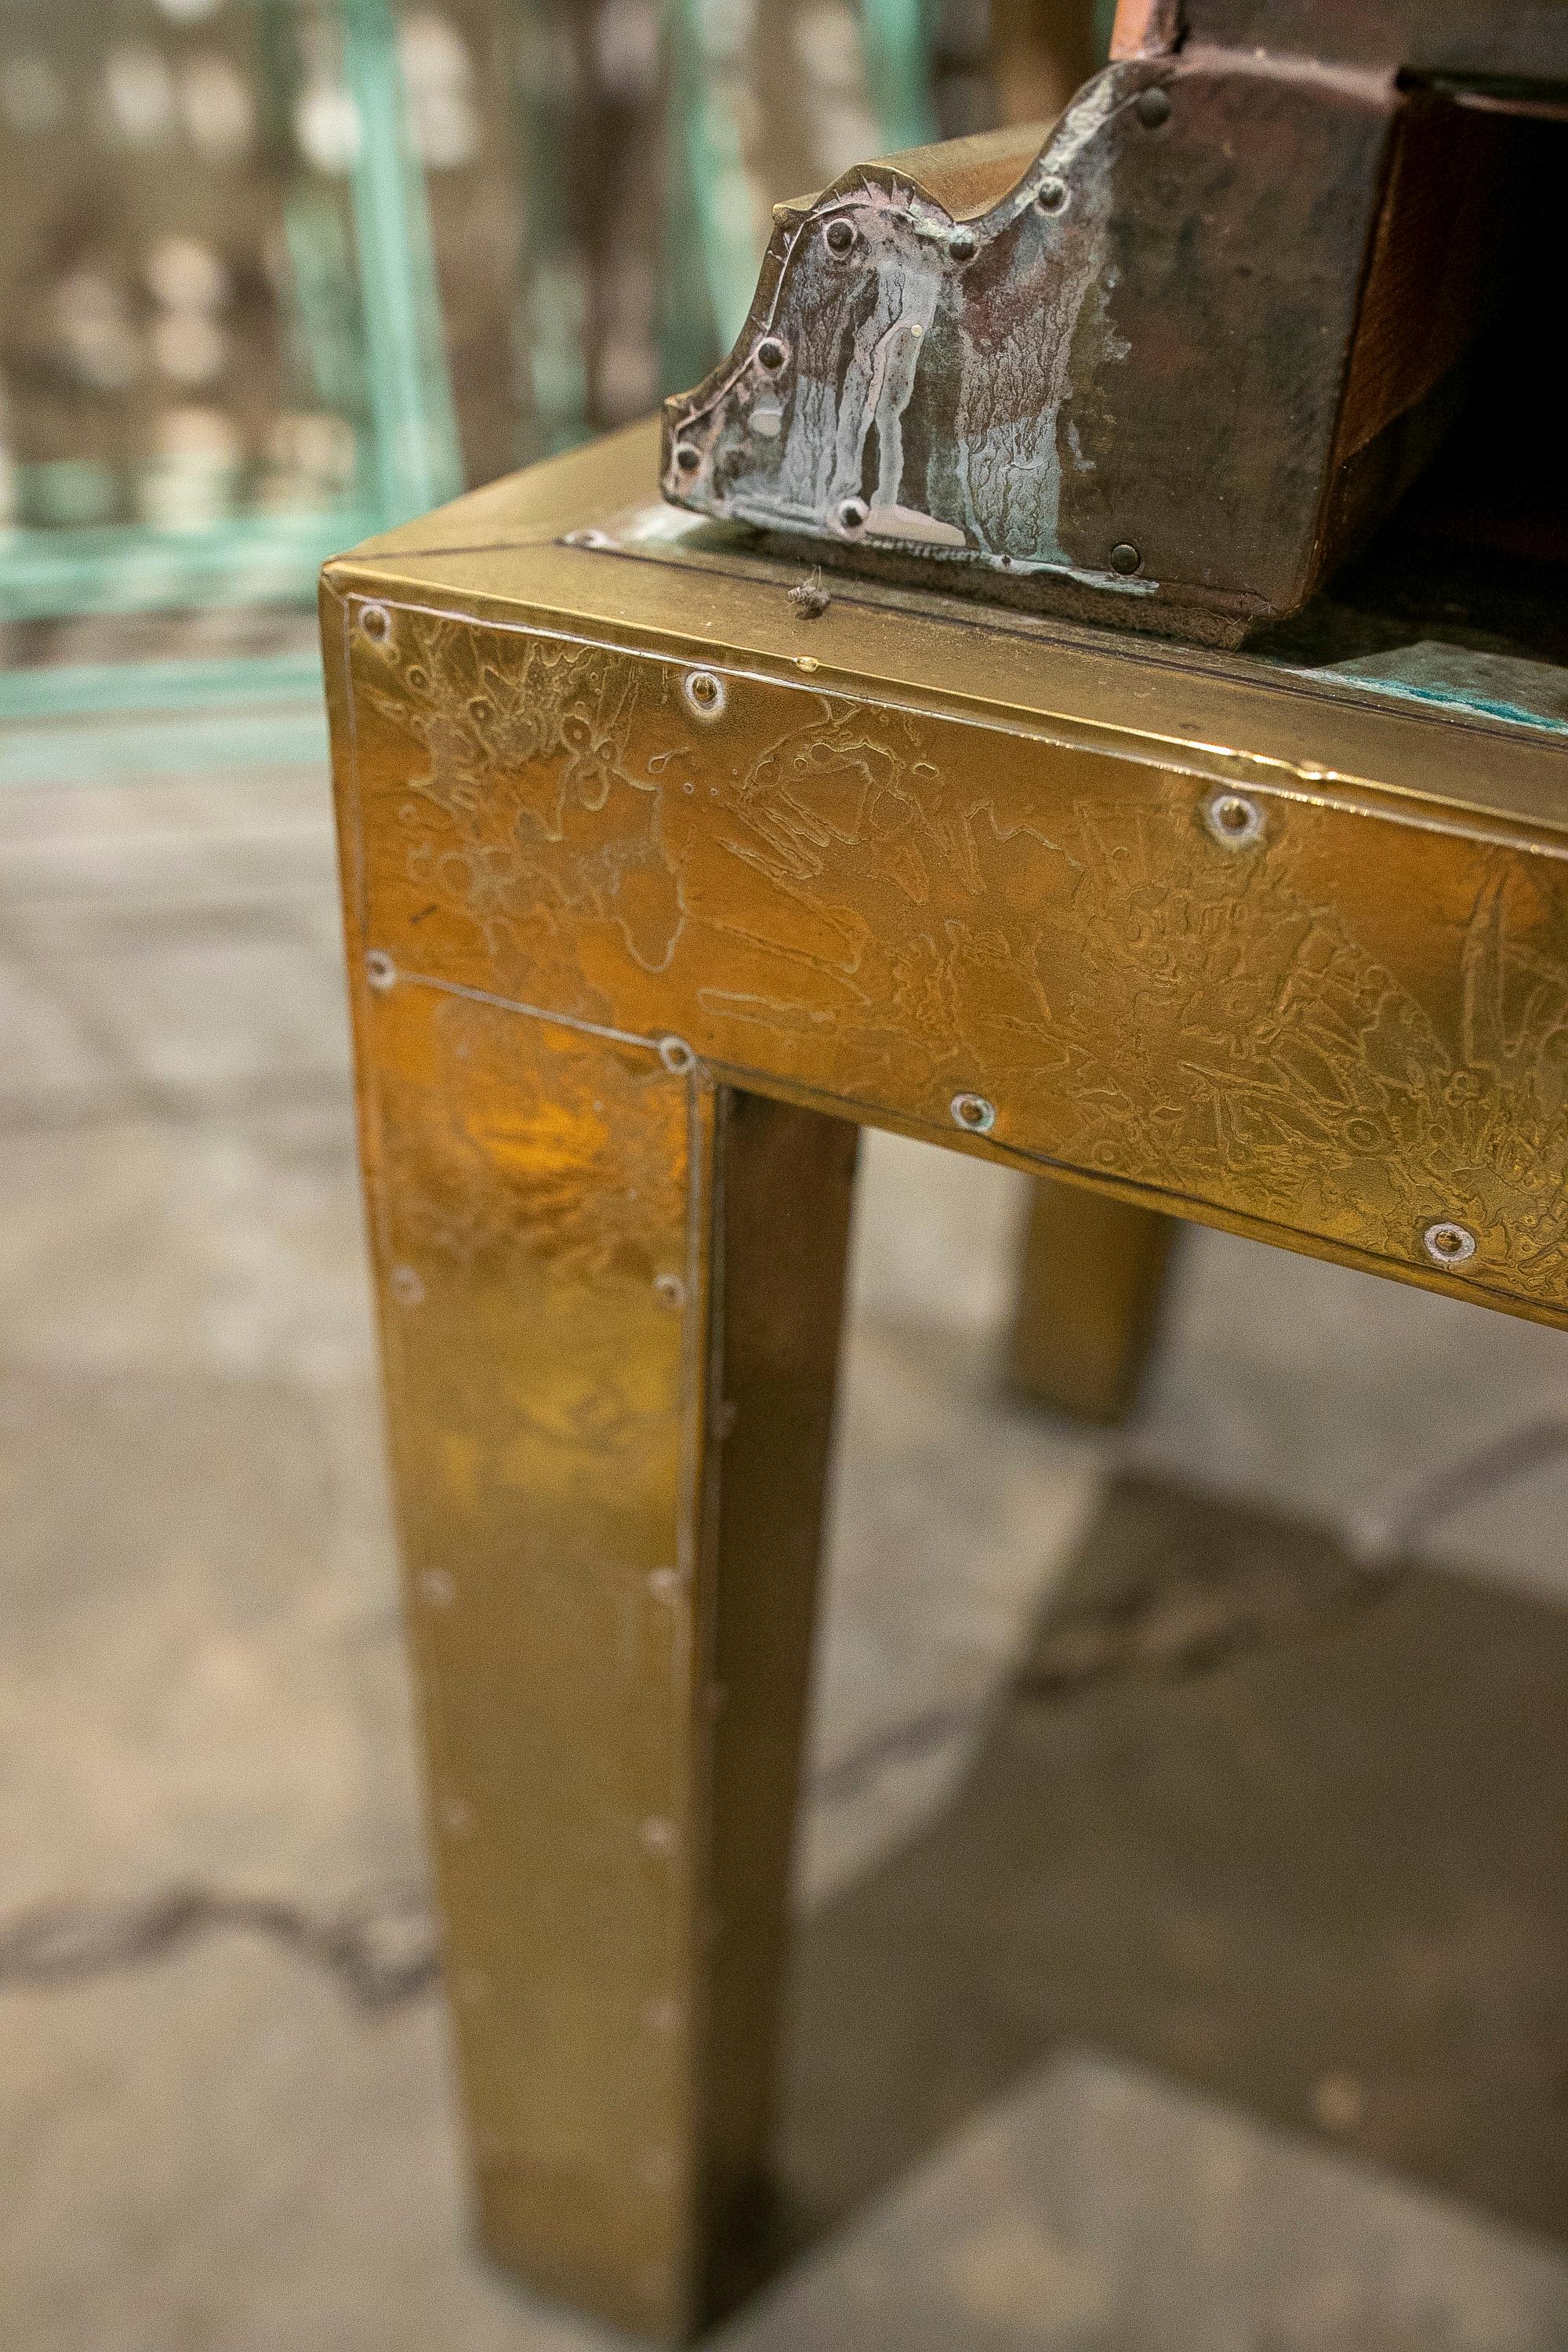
(1184, 1906)
(278, 273)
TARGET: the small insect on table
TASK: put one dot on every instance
(662, 878)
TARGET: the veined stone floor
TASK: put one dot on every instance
(1206, 1997)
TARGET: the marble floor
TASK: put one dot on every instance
(1159, 1991)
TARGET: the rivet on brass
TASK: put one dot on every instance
(670, 1289)
(973, 1113)
(1449, 1244)
(1233, 820)
(376, 622)
(705, 693)
(677, 1056)
(380, 970)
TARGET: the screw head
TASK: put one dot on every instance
(840, 237)
(964, 245)
(1053, 195)
(771, 355)
(852, 514)
(1126, 559)
(973, 1113)
(1449, 1244)
(1233, 819)
(1152, 107)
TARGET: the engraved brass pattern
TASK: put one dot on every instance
(886, 907)
(639, 892)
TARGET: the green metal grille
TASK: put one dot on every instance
(358, 335)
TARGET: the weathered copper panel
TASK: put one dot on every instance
(1474, 41)
(1111, 386)
(1338, 1028)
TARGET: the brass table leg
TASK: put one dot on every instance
(611, 1299)
(1093, 1275)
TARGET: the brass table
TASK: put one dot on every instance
(659, 880)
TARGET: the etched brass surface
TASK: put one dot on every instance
(1336, 1025)
(653, 889)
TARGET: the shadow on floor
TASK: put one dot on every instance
(1289, 1833)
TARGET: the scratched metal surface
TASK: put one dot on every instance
(1336, 1034)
